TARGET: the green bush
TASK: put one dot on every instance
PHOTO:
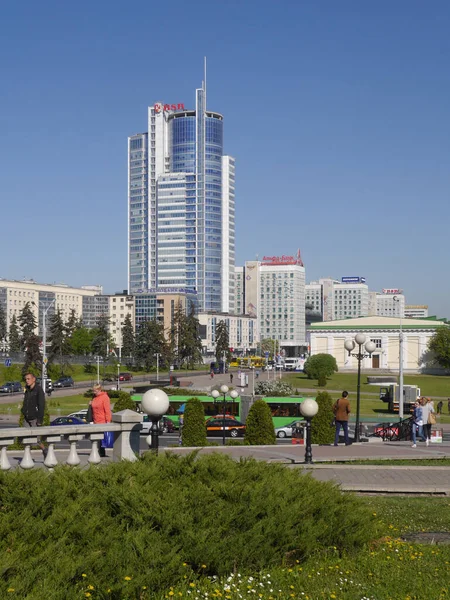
(89, 368)
(259, 430)
(123, 401)
(321, 430)
(193, 432)
(320, 366)
(322, 381)
(143, 520)
(274, 388)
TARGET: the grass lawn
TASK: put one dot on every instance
(56, 406)
(389, 569)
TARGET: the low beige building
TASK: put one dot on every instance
(329, 337)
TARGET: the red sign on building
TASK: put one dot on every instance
(168, 107)
(283, 260)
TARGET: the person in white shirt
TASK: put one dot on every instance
(427, 410)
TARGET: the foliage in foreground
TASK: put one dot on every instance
(259, 423)
(135, 524)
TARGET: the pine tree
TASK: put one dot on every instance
(14, 335)
(259, 425)
(128, 339)
(59, 342)
(80, 341)
(321, 430)
(33, 355)
(222, 342)
(193, 340)
(102, 341)
(193, 432)
(28, 325)
(73, 322)
(3, 327)
(150, 341)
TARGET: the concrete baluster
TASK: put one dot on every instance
(27, 461)
(5, 465)
(94, 456)
(51, 460)
(73, 459)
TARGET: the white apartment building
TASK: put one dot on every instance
(14, 295)
(345, 299)
(239, 292)
(389, 303)
(228, 234)
(242, 330)
(416, 311)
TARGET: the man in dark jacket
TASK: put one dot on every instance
(341, 411)
(34, 404)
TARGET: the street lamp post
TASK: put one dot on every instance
(155, 403)
(224, 389)
(360, 340)
(44, 346)
(157, 365)
(118, 376)
(309, 409)
(400, 362)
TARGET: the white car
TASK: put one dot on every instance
(81, 414)
(286, 430)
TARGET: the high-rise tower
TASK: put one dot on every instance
(181, 205)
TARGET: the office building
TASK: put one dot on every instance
(181, 205)
(243, 332)
(416, 311)
(334, 299)
(389, 303)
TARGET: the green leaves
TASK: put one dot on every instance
(440, 346)
(320, 366)
(194, 430)
(222, 342)
(259, 430)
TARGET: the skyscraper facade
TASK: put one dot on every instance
(181, 205)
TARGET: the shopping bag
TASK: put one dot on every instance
(431, 419)
(108, 439)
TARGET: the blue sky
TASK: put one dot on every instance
(337, 114)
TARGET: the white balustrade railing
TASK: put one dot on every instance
(126, 426)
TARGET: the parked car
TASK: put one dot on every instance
(227, 416)
(11, 386)
(286, 430)
(233, 427)
(48, 385)
(80, 414)
(64, 382)
(165, 425)
(68, 421)
(125, 376)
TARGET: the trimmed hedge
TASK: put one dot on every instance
(193, 432)
(259, 430)
(322, 431)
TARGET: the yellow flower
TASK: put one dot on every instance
(184, 564)
(83, 575)
(171, 593)
(144, 587)
(87, 594)
(127, 578)
(192, 584)
(10, 590)
(203, 566)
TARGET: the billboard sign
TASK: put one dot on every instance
(392, 291)
(168, 107)
(353, 279)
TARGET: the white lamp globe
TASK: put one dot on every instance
(370, 347)
(360, 338)
(349, 345)
(155, 403)
(224, 389)
(309, 408)
(234, 394)
(215, 394)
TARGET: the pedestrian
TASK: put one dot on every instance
(440, 404)
(101, 413)
(231, 377)
(180, 429)
(341, 411)
(417, 424)
(33, 407)
(429, 417)
(211, 374)
(257, 374)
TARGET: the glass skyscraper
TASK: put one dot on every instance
(181, 205)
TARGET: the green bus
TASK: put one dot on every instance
(284, 409)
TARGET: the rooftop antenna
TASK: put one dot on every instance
(204, 81)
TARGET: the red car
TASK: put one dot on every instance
(125, 376)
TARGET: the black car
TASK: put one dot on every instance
(11, 386)
(63, 382)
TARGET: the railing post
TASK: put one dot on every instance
(51, 460)
(27, 461)
(127, 440)
(5, 465)
(94, 456)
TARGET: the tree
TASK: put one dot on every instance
(80, 341)
(102, 342)
(33, 355)
(124, 402)
(28, 324)
(259, 425)
(150, 341)
(439, 345)
(222, 342)
(191, 351)
(193, 432)
(322, 431)
(128, 339)
(271, 346)
(320, 366)
(59, 341)
(14, 335)
(3, 327)
(73, 322)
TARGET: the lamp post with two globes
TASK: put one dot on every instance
(224, 389)
(309, 409)
(360, 340)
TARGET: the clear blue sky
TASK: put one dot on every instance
(337, 114)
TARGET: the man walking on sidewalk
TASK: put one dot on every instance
(341, 411)
(33, 408)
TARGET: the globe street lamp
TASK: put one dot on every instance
(155, 403)
(224, 389)
(360, 340)
(308, 408)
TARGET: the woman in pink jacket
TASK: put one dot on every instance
(101, 410)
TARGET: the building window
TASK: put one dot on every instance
(377, 342)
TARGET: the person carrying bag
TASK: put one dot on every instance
(101, 413)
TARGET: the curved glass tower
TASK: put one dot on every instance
(190, 207)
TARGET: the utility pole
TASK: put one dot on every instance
(44, 346)
(400, 361)
(157, 366)
(98, 370)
